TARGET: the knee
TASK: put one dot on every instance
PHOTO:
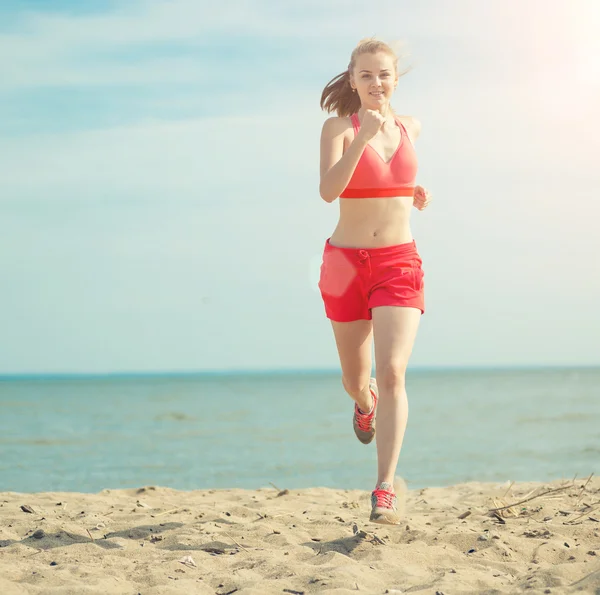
(356, 385)
(391, 377)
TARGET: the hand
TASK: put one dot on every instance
(371, 124)
(421, 198)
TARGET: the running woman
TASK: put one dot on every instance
(371, 278)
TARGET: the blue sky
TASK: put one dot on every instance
(159, 204)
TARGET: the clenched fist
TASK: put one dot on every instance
(421, 198)
(371, 124)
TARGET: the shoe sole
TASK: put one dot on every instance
(382, 516)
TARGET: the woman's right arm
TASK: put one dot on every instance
(337, 167)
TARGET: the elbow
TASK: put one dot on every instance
(325, 195)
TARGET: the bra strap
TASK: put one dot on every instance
(355, 123)
(402, 127)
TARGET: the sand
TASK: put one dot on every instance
(156, 540)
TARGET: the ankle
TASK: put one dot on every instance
(385, 485)
(367, 410)
(365, 401)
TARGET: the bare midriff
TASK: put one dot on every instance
(373, 222)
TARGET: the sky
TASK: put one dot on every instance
(159, 204)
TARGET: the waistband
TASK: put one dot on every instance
(385, 251)
(378, 192)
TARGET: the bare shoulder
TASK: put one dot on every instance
(335, 126)
(412, 125)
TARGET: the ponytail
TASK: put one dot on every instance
(339, 96)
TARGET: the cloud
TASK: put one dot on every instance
(60, 49)
(201, 160)
(47, 48)
(495, 135)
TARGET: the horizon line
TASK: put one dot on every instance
(282, 371)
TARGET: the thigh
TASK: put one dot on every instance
(394, 331)
(354, 342)
(343, 289)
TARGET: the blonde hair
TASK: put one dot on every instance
(338, 95)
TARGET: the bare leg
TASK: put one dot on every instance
(354, 340)
(395, 329)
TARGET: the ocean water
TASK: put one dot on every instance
(291, 429)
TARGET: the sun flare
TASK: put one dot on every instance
(587, 41)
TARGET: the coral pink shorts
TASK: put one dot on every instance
(354, 280)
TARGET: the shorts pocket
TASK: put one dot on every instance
(418, 275)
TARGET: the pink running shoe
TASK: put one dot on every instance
(386, 509)
(364, 423)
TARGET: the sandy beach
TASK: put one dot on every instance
(157, 541)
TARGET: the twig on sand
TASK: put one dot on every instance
(586, 513)
(165, 512)
(35, 553)
(512, 483)
(237, 543)
(262, 517)
(281, 492)
(506, 511)
(552, 491)
(88, 532)
(583, 489)
(498, 517)
(531, 493)
(586, 577)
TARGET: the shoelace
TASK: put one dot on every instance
(384, 498)
(365, 420)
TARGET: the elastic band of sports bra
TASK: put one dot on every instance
(377, 192)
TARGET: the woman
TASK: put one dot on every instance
(371, 277)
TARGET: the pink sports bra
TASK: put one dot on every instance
(373, 177)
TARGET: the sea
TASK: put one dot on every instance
(291, 430)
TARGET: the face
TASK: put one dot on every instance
(374, 78)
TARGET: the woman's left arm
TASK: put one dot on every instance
(421, 196)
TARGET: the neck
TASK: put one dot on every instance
(385, 110)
